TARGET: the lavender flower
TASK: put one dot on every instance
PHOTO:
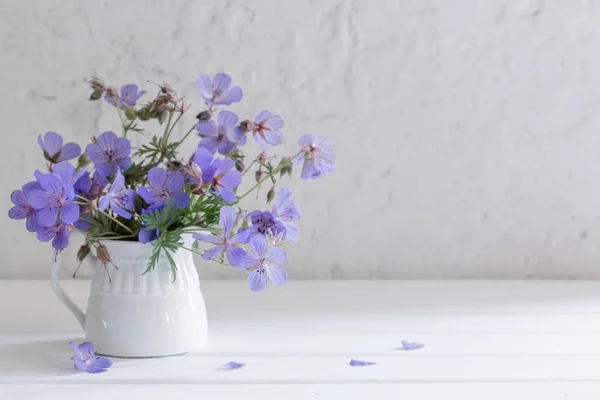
(22, 208)
(316, 156)
(119, 198)
(263, 262)
(224, 180)
(53, 199)
(91, 188)
(222, 135)
(224, 242)
(263, 223)
(129, 96)
(86, 360)
(53, 148)
(58, 233)
(110, 153)
(266, 129)
(218, 90)
(360, 363)
(203, 158)
(231, 365)
(286, 210)
(164, 184)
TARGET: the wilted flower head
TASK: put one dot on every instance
(218, 90)
(53, 148)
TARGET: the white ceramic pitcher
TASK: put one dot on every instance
(141, 315)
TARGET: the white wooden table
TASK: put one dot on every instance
(484, 340)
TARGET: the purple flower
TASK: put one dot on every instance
(129, 96)
(109, 153)
(54, 198)
(411, 346)
(285, 210)
(119, 198)
(86, 360)
(146, 235)
(218, 90)
(266, 130)
(53, 148)
(231, 365)
(67, 172)
(222, 135)
(163, 185)
(22, 208)
(316, 156)
(204, 159)
(224, 180)
(263, 223)
(263, 262)
(91, 188)
(58, 233)
(359, 363)
(224, 242)
(83, 223)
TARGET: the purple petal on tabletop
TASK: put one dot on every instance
(86, 360)
(410, 346)
(359, 363)
(231, 365)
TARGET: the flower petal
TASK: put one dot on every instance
(233, 95)
(147, 194)
(18, 198)
(274, 138)
(276, 274)
(204, 86)
(47, 216)
(236, 256)
(257, 280)
(174, 182)
(31, 223)
(227, 194)
(203, 158)
(231, 365)
(65, 170)
(182, 200)
(52, 143)
(276, 255)
(69, 151)
(275, 123)
(69, 212)
(80, 365)
(119, 210)
(122, 148)
(221, 82)
(227, 119)
(306, 140)
(231, 179)
(227, 217)
(95, 369)
(104, 362)
(213, 253)
(210, 143)
(207, 128)
(259, 245)
(411, 346)
(75, 349)
(118, 183)
(157, 177)
(95, 153)
(291, 232)
(360, 363)
(61, 240)
(107, 140)
(208, 238)
(39, 199)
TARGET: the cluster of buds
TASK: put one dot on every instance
(97, 86)
(165, 102)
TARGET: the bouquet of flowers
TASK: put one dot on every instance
(152, 194)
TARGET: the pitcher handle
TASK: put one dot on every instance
(60, 293)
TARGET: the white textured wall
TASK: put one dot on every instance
(467, 132)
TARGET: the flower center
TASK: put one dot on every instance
(110, 155)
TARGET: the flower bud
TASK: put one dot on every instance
(262, 157)
(83, 160)
(130, 113)
(271, 194)
(103, 254)
(175, 165)
(204, 116)
(247, 125)
(144, 113)
(83, 252)
(286, 166)
(239, 164)
(95, 84)
(258, 175)
(112, 92)
(96, 94)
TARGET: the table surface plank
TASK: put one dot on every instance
(484, 339)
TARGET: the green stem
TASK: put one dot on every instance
(249, 166)
(192, 250)
(119, 111)
(276, 170)
(118, 222)
(186, 135)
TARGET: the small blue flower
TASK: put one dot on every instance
(360, 363)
